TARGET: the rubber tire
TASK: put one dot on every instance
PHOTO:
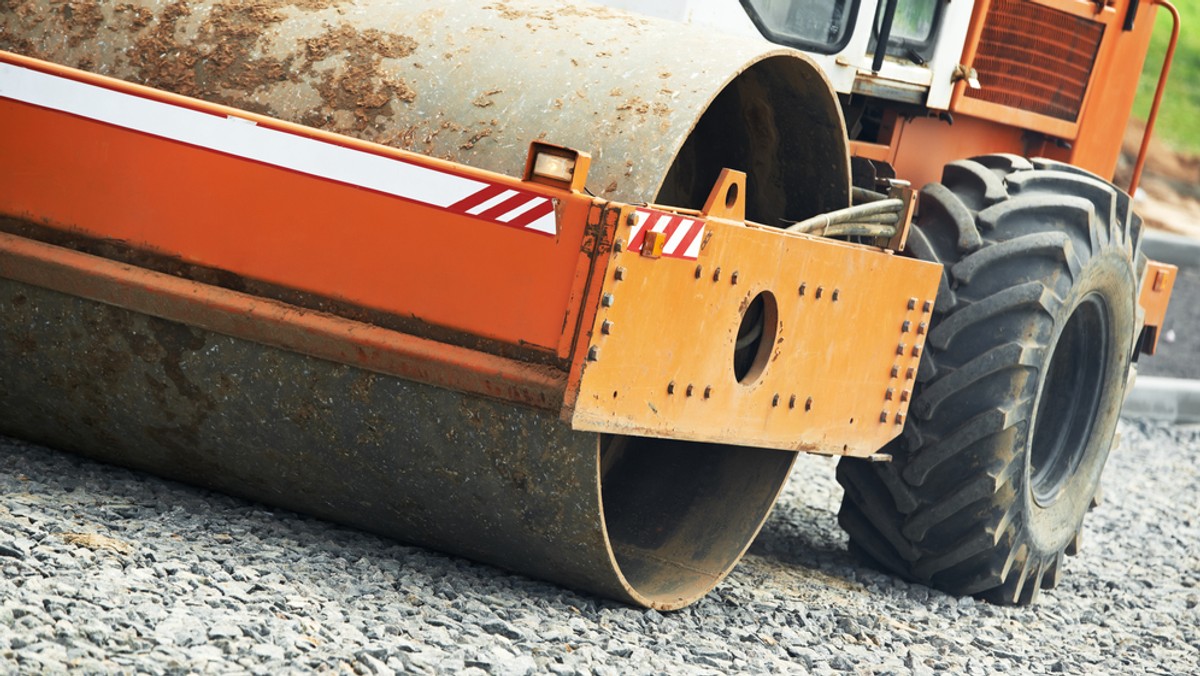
(1038, 262)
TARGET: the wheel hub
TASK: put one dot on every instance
(1070, 400)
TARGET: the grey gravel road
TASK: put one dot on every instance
(106, 570)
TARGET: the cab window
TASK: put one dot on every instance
(913, 28)
(821, 26)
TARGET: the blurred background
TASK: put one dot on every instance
(1169, 197)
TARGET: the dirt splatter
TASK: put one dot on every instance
(158, 61)
(642, 108)
(138, 17)
(316, 5)
(360, 84)
(506, 12)
(81, 19)
(17, 20)
(476, 138)
(346, 39)
(223, 63)
(635, 104)
(19, 46)
(485, 99)
(551, 17)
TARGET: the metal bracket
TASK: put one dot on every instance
(962, 72)
(901, 190)
(728, 197)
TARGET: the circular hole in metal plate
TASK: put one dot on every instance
(755, 336)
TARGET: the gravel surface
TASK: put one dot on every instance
(109, 570)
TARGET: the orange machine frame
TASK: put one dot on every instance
(572, 312)
(919, 147)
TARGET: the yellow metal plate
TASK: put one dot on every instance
(848, 329)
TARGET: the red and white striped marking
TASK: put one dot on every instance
(684, 235)
(480, 199)
(509, 206)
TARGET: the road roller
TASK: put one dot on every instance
(564, 288)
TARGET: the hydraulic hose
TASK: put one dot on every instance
(855, 214)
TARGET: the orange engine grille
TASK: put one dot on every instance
(1036, 58)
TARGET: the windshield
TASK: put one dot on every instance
(912, 27)
(914, 20)
(814, 25)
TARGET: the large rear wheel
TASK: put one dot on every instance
(1018, 395)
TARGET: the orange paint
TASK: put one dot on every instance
(1092, 141)
(845, 330)
(294, 230)
(278, 324)
(1157, 282)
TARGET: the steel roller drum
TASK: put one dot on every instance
(662, 108)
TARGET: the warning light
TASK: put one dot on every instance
(557, 166)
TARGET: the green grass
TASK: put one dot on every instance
(1179, 119)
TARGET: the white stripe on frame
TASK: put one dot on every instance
(237, 137)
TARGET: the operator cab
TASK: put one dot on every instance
(957, 78)
(924, 43)
(824, 26)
